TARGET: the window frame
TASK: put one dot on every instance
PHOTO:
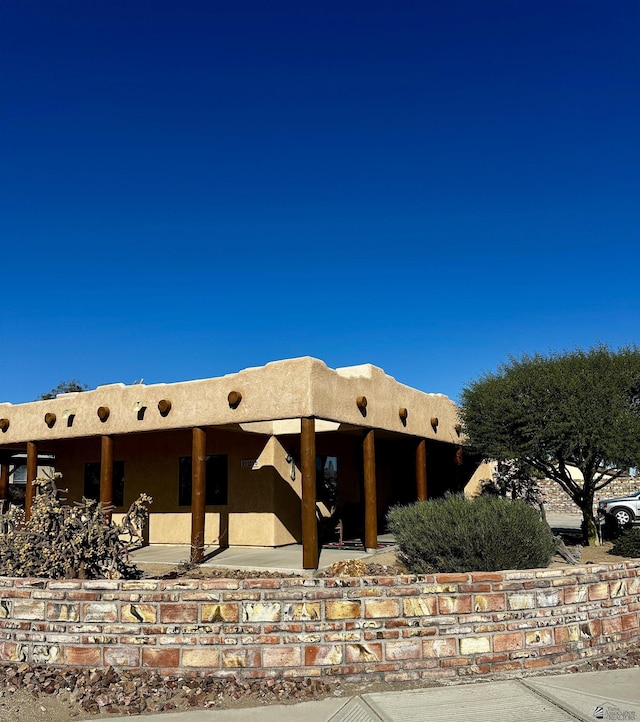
(216, 480)
(118, 482)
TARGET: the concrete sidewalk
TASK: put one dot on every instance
(613, 695)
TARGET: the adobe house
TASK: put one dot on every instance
(263, 457)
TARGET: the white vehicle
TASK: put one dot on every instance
(625, 509)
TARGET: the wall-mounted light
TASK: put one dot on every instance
(4, 425)
(361, 403)
(434, 423)
(403, 413)
(69, 415)
(234, 398)
(292, 471)
(50, 419)
(103, 413)
(164, 407)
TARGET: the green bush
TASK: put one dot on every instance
(611, 528)
(628, 544)
(61, 541)
(456, 534)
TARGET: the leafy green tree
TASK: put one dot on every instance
(64, 387)
(573, 409)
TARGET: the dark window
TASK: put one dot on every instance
(327, 479)
(216, 480)
(92, 481)
(19, 474)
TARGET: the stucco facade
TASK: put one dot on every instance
(268, 430)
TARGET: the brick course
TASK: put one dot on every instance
(391, 628)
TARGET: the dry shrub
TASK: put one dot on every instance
(62, 541)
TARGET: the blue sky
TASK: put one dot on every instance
(188, 189)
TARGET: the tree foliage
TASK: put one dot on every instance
(572, 409)
(64, 387)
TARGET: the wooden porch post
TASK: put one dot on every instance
(32, 473)
(421, 470)
(4, 480)
(198, 493)
(106, 473)
(310, 555)
(370, 492)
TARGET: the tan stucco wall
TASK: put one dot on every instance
(289, 389)
(482, 474)
(335, 394)
(284, 475)
(255, 496)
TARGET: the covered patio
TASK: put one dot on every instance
(268, 457)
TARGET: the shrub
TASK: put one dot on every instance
(628, 543)
(60, 541)
(456, 534)
(611, 529)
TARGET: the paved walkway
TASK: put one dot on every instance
(612, 695)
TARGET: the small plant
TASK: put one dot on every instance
(628, 544)
(456, 534)
(61, 541)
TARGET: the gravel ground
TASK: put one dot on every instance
(50, 695)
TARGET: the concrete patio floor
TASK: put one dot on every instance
(280, 559)
(288, 558)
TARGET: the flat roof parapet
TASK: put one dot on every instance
(355, 396)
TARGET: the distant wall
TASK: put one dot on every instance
(388, 628)
(557, 501)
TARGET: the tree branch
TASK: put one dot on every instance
(609, 476)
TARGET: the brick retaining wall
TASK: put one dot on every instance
(392, 628)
